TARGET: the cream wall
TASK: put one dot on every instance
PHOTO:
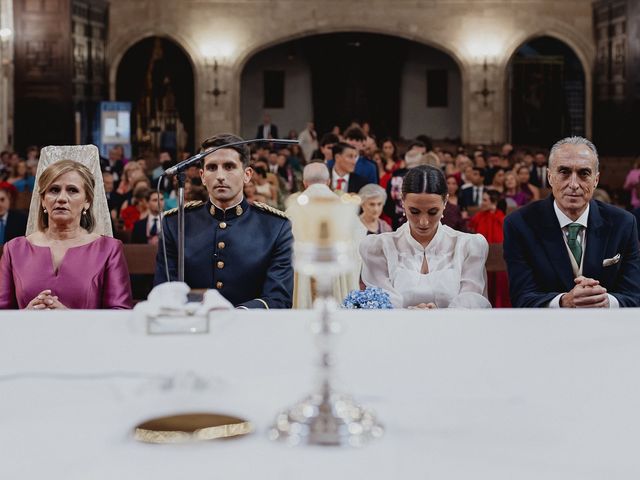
(415, 117)
(298, 108)
(469, 31)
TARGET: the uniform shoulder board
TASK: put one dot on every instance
(269, 209)
(187, 206)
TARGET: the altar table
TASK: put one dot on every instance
(502, 394)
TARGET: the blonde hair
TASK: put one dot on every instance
(51, 174)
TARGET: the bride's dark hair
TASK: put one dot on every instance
(424, 179)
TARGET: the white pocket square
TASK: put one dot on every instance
(607, 262)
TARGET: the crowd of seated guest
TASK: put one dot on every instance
(483, 184)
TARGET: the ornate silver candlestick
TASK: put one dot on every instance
(323, 230)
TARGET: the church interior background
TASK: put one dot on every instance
(475, 72)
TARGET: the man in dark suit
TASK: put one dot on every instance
(267, 129)
(147, 229)
(471, 196)
(12, 223)
(365, 167)
(539, 170)
(244, 251)
(343, 177)
(569, 250)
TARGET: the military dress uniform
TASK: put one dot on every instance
(244, 252)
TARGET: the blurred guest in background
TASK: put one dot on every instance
(308, 139)
(452, 215)
(373, 198)
(20, 177)
(531, 192)
(12, 223)
(148, 229)
(514, 197)
(632, 182)
(488, 222)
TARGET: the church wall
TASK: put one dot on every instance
(469, 31)
(298, 109)
(415, 116)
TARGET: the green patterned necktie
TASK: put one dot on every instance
(572, 241)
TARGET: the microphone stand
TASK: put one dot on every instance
(181, 178)
(179, 170)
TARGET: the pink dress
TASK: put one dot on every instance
(90, 276)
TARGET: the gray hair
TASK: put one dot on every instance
(575, 140)
(372, 190)
(316, 172)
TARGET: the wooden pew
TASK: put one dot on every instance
(141, 258)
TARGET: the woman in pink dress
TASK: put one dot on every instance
(63, 264)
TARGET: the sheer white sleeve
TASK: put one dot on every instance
(473, 276)
(375, 267)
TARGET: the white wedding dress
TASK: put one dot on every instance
(457, 277)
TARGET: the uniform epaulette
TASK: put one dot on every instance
(187, 206)
(269, 209)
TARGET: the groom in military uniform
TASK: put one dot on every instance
(242, 250)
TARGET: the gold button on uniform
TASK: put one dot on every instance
(221, 245)
(223, 225)
(220, 264)
(219, 285)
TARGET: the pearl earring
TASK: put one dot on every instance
(44, 210)
(84, 212)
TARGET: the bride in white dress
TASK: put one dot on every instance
(425, 264)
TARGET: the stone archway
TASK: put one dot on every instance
(548, 91)
(156, 75)
(339, 77)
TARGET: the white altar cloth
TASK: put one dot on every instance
(503, 394)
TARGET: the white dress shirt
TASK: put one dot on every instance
(334, 182)
(542, 176)
(582, 240)
(150, 224)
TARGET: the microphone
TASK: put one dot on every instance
(196, 158)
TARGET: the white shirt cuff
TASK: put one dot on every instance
(555, 301)
(613, 301)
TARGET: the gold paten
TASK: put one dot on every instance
(191, 427)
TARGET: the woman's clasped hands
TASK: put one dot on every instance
(45, 300)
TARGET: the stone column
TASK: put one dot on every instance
(484, 115)
(6, 74)
(212, 119)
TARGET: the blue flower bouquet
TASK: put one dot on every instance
(371, 298)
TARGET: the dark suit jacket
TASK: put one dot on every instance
(16, 225)
(538, 263)
(466, 197)
(139, 233)
(356, 182)
(534, 177)
(273, 133)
